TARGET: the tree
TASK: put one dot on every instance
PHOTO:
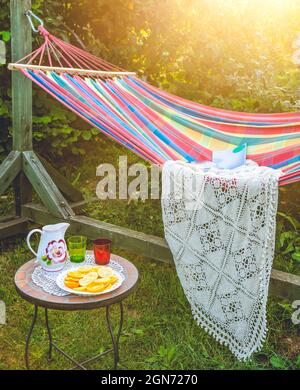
(235, 55)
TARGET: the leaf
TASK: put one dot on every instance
(296, 256)
(94, 131)
(38, 134)
(151, 359)
(5, 35)
(290, 219)
(289, 248)
(42, 119)
(59, 115)
(138, 332)
(3, 110)
(286, 236)
(76, 179)
(101, 350)
(86, 135)
(287, 307)
(66, 130)
(278, 362)
(171, 353)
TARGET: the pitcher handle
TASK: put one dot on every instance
(28, 239)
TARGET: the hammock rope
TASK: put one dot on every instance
(153, 123)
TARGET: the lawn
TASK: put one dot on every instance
(159, 331)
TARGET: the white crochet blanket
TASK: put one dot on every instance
(220, 226)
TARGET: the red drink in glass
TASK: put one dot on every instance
(102, 251)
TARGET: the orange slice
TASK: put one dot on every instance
(102, 281)
(95, 269)
(75, 275)
(114, 279)
(88, 279)
(96, 289)
(71, 284)
(79, 289)
(85, 269)
(105, 272)
(69, 279)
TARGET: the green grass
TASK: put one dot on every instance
(159, 330)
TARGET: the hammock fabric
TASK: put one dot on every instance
(155, 124)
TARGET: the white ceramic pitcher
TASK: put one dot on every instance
(52, 250)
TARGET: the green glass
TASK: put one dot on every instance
(77, 248)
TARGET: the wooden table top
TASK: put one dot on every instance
(34, 294)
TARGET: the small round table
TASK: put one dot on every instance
(39, 298)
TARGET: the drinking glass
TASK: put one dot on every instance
(77, 248)
(102, 248)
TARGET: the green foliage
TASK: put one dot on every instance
(288, 241)
(57, 130)
(5, 35)
(235, 55)
(279, 363)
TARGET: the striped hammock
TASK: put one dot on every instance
(155, 124)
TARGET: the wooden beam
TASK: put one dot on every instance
(283, 285)
(7, 218)
(69, 191)
(13, 227)
(136, 242)
(76, 71)
(77, 207)
(84, 202)
(45, 187)
(9, 170)
(21, 45)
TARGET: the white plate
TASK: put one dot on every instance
(60, 281)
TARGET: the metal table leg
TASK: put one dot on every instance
(29, 336)
(115, 341)
(120, 326)
(49, 335)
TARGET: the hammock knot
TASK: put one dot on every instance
(43, 31)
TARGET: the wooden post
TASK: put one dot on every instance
(21, 45)
(32, 170)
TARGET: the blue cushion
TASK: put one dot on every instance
(230, 159)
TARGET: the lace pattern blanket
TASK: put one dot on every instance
(220, 226)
